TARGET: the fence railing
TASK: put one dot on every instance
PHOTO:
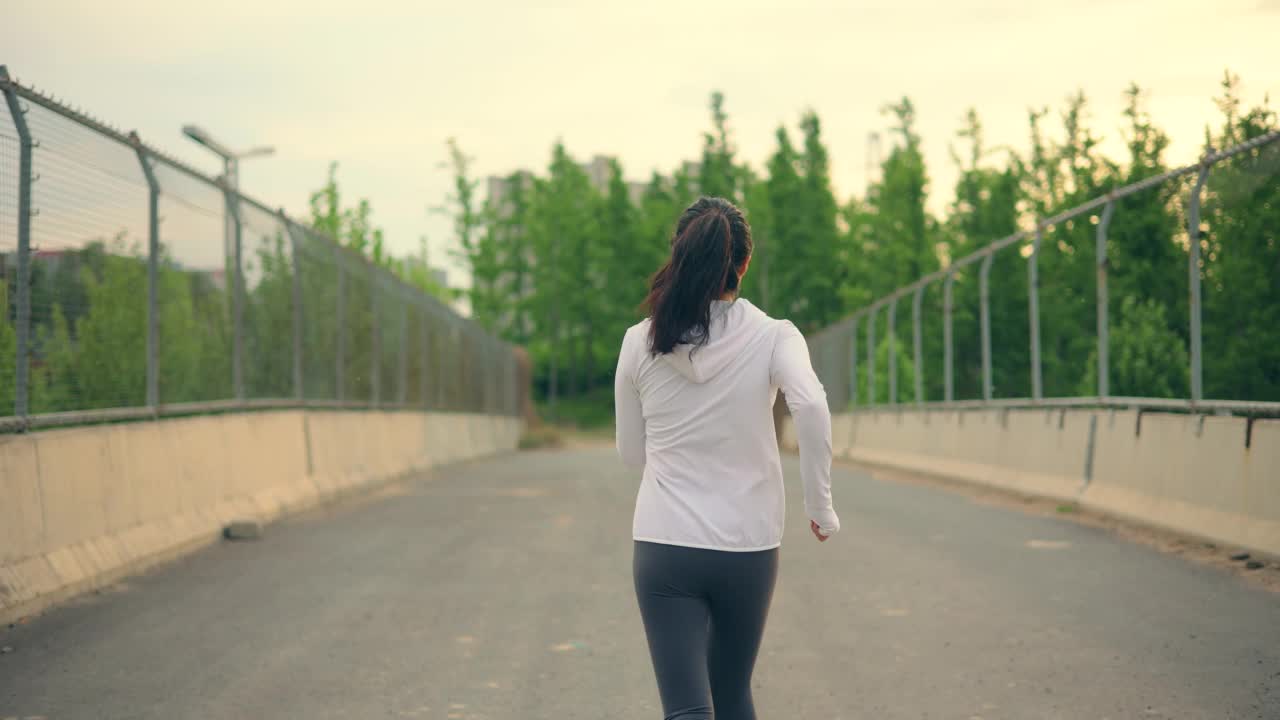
(134, 286)
(836, 351)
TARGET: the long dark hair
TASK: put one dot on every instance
(711, 241)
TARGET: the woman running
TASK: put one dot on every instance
(694, 393)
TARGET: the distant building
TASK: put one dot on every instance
(499, 189)
(598, 171)
(635, 191)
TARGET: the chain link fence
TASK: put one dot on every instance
(929, 344)
(134, 286)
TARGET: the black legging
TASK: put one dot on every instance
(704, 612)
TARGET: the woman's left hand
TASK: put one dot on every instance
(817, 532)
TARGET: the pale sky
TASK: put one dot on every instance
(379, 85)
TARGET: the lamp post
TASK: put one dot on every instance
(230, 158)
(231, 185)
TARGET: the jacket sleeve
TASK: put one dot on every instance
(791, 371)
(628, 413)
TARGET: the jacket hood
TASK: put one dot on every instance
(735, 325)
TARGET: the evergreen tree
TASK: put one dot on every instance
(718, 174)
(1240, 258)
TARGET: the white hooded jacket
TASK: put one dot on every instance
(701, 426)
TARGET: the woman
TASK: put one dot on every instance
(694, 393)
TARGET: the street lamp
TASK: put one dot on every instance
(231, 186)
(230, 158)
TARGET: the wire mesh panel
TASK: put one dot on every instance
(88, 269)
(1010, 327)
(317, 266)
(415, 351)
(453, 367)
(966, 336)
(388, 306)
(440, 349)
(267, 257)
(247, 305)
(194, 293)
(9, 149)
(356, 327)
(473, 369)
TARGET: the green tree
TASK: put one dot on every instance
(626, 264)
(755, 286)
(985, 209)
(819, 236)
(478, 245)
(718, 173)
(109, 361)
(1061, 174)
(507, 233)
(904, 248)
(1240, 257)
(269, 321)
(782, 225)
(562, 230)
(800, 224)
(1147, 358)
(195, 336)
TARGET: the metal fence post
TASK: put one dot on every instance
(893, 351)
(871, 356)
(508, 380)
(295, 248)
(1104, 339)
(237, 295)
(1193, 270)
(340, 317)
(425, 365)
(445, 337)
(23, 289)
(948, 349)
(513, 381)
(1033, 310)
(375, 332)
(984, 292)
(853, 365)
(153, 274)
(402, 391)
(489, 373)
(916, 351)
(480, 370)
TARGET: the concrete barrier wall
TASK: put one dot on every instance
(80, 507)
(1190, 474)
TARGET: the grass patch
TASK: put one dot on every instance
(540, 437)
(1068, 508)
(591, 411)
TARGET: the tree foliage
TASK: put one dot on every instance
(560, 260)
(581, 252)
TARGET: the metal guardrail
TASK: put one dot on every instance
(1103, 399)
(418, 353)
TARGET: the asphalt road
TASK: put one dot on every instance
(501, 589)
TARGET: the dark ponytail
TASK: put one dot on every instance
(711, 242)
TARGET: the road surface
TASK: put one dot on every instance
(501, 588)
